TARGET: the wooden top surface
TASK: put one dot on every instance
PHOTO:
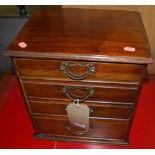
(83, 34)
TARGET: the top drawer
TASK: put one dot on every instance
(75, 70)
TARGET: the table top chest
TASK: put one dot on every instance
(96, 56)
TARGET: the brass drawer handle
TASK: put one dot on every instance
(72, 97)
(78, 131)
(65, 68)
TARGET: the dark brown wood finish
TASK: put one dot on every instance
(79, 53)
(101, 128)
(81, 140)
(102, 92)
(23, 93)
(57, 107)
(46, 69)
(83, 34)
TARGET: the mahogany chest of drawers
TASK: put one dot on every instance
(96, 56)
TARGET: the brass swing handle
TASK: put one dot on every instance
(65, 68)
(74, 130)
(72, 97)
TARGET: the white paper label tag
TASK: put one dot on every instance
(22, 44)
(78, 115)
(130, 49)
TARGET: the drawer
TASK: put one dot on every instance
(88, 71)
(106, 129)
(97, 109)
(73, 90)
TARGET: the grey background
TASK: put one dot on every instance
(10, 24)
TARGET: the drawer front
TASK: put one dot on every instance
(86, 71)
(96, 109)
(72, 91)
(108, 129)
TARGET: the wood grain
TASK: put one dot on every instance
(103, 129)
(104, 72)
(104, 92)
(97, 109)
(68, 33)
(82, 36)
(147, 13)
